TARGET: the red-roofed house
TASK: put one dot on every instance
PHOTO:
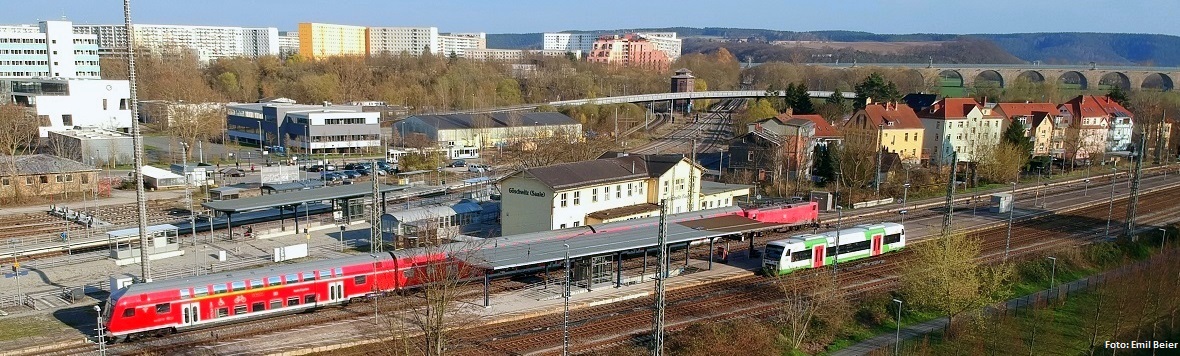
(960, 125)
(1116, 120)
(1087, 128)
(900, 129)
(1042, 123)
(782, 145)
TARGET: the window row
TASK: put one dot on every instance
(166, 308)
(632, 190)
(24, 63)
(22, 40)
(271, 281)
(44, 179)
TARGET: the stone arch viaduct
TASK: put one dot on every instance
(1086, 77)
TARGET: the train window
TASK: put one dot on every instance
(774, 253)
(200, 291)
(219, 288)
(292, 278)
(273, 281)
(257, 307)
(308, 276)
(239, 310)
(803, 255)
(339, 271)
(292, 301)
(237, 286)
(163, 308)
(184, 294)
(276, 304)
(309, 299)
(222, 312)
(325, 273)
(358, 280)
(893, 238)
(129, 312)
(255, 283)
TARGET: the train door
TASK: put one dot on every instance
(190, 314)
(817, 256)
(335, 292)
(876, 244)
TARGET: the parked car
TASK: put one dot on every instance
(457, 163)
(364, 171)
(350, 174)
(385, 166)
(333, 176)
(478, 168)
(330, 168)
(316, 168)
(353, 166)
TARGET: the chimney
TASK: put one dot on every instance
(868, 101)
(632, 167)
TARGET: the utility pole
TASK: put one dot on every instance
(657, 347)
(565, 293)
(375, 243)
(1133, 200)
(877, 174)
(950, 196)
(188, 196)
(145, 264)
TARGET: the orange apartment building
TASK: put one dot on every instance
(628, 50)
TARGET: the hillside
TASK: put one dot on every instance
(1058, 47)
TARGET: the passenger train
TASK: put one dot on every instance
(818, 250)
(166, 306)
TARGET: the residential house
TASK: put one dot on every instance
(44, 175)
(896, 127)
(782, 145)
(1119, 120)
(605, 190)
(1087, 129)
(960, 127)
(1040, 120)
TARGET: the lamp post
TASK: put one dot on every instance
(897, 336)
(837, 197)
(836, 257)
(565, 326)
(101, 338)
(1053, 272)
(1110, 209)
(904, 195)
(1164, 239)
(1011, 210)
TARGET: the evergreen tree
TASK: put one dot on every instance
(800, 100)
(1015, 136)
(874, 87)
(1118, 95)
(825, 165)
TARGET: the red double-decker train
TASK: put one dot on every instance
(168, 306)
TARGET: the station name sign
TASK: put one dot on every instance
(526, 192)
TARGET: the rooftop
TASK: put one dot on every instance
(91, 133)
(298, 197)
(711, 187)
(599, 171)
(468, 121)
(624, 211)
(42, 164)
(892, 115)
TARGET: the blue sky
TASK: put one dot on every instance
(516, 16)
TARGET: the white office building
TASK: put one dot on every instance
(304, 128)
(457, 44)
(514, 55)
(206, 42)
(665, 42)
(395, 40)
(60, 103)
(50, 49)
(569, 42)
(288, 43)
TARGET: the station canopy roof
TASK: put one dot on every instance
(521, 250)
(135, 230)
(298, 197)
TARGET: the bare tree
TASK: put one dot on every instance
(856, 157)
(18, 134)
(810, 299)
(191, 123)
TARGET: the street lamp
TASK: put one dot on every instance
(102, 340)
(1011, 209)
(836, 257)
(1110, 209)
(1164, 239)
(897, 336)
(1053, 272)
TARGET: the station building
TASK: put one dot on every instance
(487, 130)
(614, 188)
(44, 175)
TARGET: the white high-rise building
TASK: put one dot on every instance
(62, 103)
(288, 43)
(206, 42)
(395, 40)
(569, 42)
(458, 43)
(665, 42)
(50, 49)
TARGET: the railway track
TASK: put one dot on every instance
(711, 131)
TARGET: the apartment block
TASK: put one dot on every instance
(569, 42)
(396, 40)
(628, 50)
(50, 49)
(321, 40)
(206, 42)
(288, 43)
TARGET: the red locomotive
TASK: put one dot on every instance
(164, 307)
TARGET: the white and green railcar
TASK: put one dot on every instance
(818, 250)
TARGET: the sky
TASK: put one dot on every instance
(522, 16)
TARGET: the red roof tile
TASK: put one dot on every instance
(901, 116)
(951, 108)
(1095, 106)
(1011, 110)
(822, 127)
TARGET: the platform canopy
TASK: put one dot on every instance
(135, 230)
(509, 252)
(298, 197)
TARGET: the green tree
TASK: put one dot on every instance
(776, 97)
(876, 88)
(945, 276)
(825, 165)
(1015, 135)
(834, 107)
(799, 99)
(1118, 95)
(760, 110)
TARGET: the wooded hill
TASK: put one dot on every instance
(1050, 48)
